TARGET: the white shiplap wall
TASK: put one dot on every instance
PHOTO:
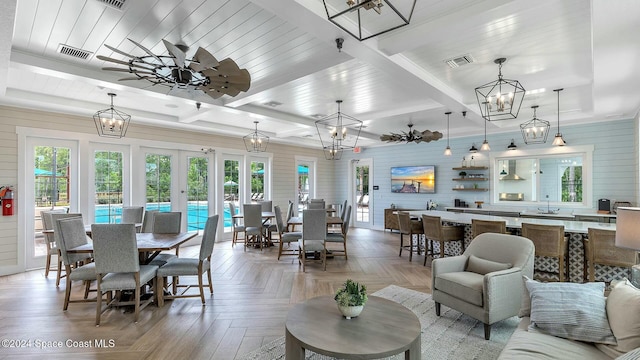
(615, 163)
(11, 247)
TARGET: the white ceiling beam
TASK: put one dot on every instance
(7, 19)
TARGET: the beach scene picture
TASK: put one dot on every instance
(413, 179)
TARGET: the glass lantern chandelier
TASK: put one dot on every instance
(338, 132)
(112, 122)
(535, 131)
(503, 97)
(256, 141)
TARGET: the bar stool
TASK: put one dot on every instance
(483, 226)
(600, 248)
(409, 227)
(435, 231)
(549, 241)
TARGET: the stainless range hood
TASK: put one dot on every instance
(512, 172)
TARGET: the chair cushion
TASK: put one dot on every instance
(335, 237)
(312, 245)
(238, 228)
(463, 285)
(182, 266)
(126, 281)
(252, 230)
(291, 236)
(571, 311)
(483, 266)
(623, 312)
(84, 272)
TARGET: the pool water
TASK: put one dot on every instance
(197, 214)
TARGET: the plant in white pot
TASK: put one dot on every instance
(351, 298)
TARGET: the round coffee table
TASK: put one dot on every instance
(384, 328)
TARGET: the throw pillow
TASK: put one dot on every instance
(525, 305)
(631, 355)
(571, 311)
(483, 266)
(623, 311)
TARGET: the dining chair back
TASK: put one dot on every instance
(167, 222)
(132, 214)
(550, 242)
(314, 233)
(237, 227)
(66, 258)
(73, 233)
(191, 267)
(284, 236)
(316, 205)
(600, 248)
(435, 231)
(267, 205)
(50, 240)
(483, 226)
(115, 251)
(343, 211)
(147, 221)
(252, 224)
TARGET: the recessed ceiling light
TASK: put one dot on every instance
(317, 116)
(272, 103)
(173, 106)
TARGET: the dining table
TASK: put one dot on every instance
(149, 244)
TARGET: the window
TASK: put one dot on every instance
(197, 193)
(158, 180)
(108, 186)
(548, 177)
(257, 180)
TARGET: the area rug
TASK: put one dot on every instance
(453, 335)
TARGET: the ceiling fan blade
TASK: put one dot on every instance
(125, 63)
(136, 78)
(178, 55)
(119, 51)
(203, 60)
(127, 70)
(228, 67)
(241, 79)
(225, 84)
(148, 52)
(212, 92)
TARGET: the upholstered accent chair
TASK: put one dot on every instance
(118, 267)
(191, 267)
(485, 282)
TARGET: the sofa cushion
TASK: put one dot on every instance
(525, 304)
(483, 266)
(571, 311)
(623, 311)
(463, 285)
(526, 345)
(631, 355)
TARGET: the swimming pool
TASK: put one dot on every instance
(197, 214)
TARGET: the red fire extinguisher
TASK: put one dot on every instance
(6, 194)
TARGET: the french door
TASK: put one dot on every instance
(362, 208)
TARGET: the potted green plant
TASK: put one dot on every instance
(462, 174)
(351, 298)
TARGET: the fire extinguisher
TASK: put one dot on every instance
(6, 194)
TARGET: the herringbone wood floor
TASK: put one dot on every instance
(252, 293)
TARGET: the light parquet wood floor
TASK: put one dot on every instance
(252, 294)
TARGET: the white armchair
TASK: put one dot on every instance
(485, 282)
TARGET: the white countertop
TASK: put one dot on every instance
(581, 227)
(529, 212)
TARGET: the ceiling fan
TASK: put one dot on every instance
(412, 136)
(202, 72)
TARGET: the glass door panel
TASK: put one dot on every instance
(231, 190)
(361, 195)
(108, 180)
(158, 182)
(197, 192)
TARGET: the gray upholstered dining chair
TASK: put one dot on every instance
(118, 268)
(252, 214)
(341, 237)
(315, 205)
(191, 267)
(284, 236)
(73, 234)
(267, 205)
(237, 227)
(314, 233)
(485, 282)
(132, 215)
(147, 221)
(50, 241)
(166, 223)
(77, 258)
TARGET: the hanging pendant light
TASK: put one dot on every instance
(112, 122)
(504, 97)
(512, 146)
(447, 150)
(485, 144)
(338, 132)
(256, 141)
(535, 131)
(559, 140)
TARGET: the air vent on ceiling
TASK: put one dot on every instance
(75, 52)
(116, 4)
(459, 61)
